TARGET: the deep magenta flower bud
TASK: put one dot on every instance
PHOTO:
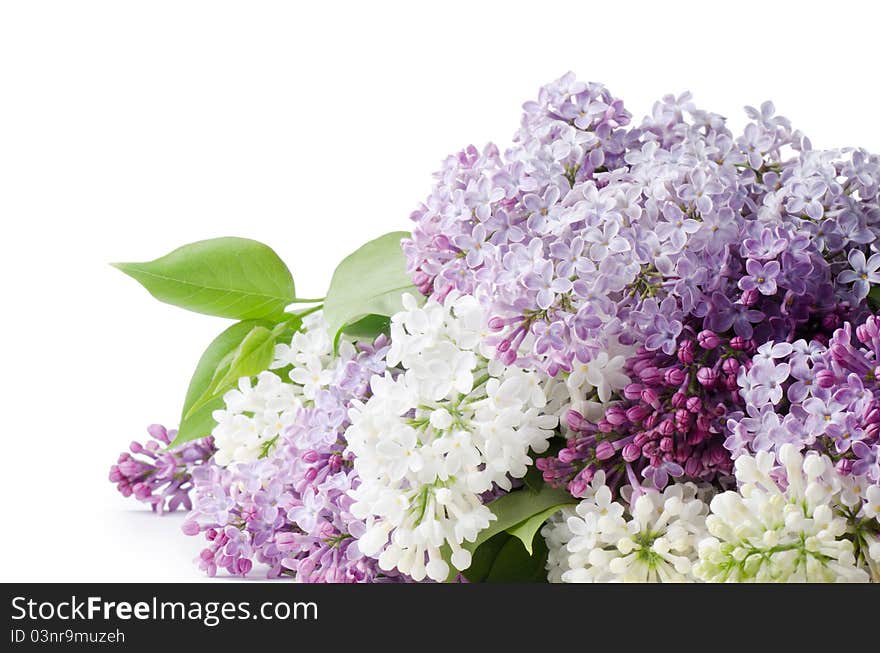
(575, 420)
(682, 419)
(730, 366)
(633, 391)
(694, 404)
(311, 456)
(651, 375)
(615, 415)
(566, 455)
(604, 450)
(674, 376)
(577, 487)
(631, 452)
(636, 414)
(679, 399)
(652, 420)
(650, 397)
(666, 445)
(640, 439)
(739, 344)
(667, 427)
(686, 352)
(707, 377)
(730, 382)
(708, 339)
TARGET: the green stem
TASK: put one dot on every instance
(300, 300)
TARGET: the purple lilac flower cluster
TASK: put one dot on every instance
(669, 423)
(822, 395)
(588, 228)
(289, 510)
(158, 476)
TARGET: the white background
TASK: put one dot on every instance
(129, 128)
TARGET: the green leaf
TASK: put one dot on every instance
(198, 425)
(252, 356)
(220, 347)
(228, 277)
(368, 327)
(511, 511)
(514, 508)
(484, 557)
(201, 423)
(514, 564)
(526, 529)
(368, 282)
(874, 298)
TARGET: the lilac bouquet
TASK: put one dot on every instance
(615, 351)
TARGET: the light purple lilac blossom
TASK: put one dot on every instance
(160, 477)
(289, 511)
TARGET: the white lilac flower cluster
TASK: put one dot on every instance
(794, 529)
(791, 520)
(257, 412)
(652, 537)
(432, 438)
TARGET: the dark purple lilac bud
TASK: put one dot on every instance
(604, 450)
(631, 452)
(674, 376)
(615, 415)
(636, 414)
(739, 344)
(633, 391)
(708, 339)
(682, 420)
(651, 375)
(567, 455)
(650, 397)
(576, 421)
(707, 377)
(694, 404)
(577, 487)
(311, 456)
(666, 445)
(667, 427)
(641, 438)
(686, 352)
(730, 366)
(679, 399)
